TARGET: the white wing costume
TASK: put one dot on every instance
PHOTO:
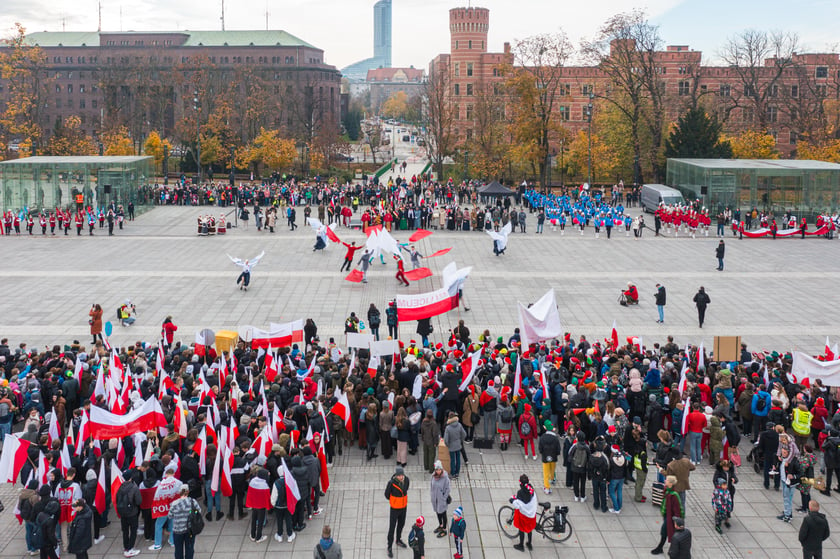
(502, 236)
(246, 265)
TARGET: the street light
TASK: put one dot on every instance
(197, 108)
(466, 163)
(562, 164)
(589, 118)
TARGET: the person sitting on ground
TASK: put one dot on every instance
(631, 294)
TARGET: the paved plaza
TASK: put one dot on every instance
(775, 294)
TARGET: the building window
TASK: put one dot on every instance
(683, 70)
(822, 71)
(69, 88)
(586, 90)
(94, 103)
(469, 44)
(81, 88)
(58, 103)
(469, 112)
(58, 88)
(469, 133)
(469, 69)
(469, 89)
(110, 43)
(794, 91)
(821, 90)
(82, 103)
(774, 90)
(457, 69)
(749, 91)
(457, 89)
(456, 111)
(124, 43)
(456, 44)
(565, 89)
(793, 138)
(684, 88)
(772, 114)
(565, 113)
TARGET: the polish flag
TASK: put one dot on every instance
(686, 409)
(99, 501)
(829, 355)
(164, 384)
(352, 363)
(701, 360)
(200, 448)
(215, 479)
(683, 380)
(179, 421)
(270, 366)
(161, 359)
(43, 468)
(292, 491)
(99, 387)
(278, 335)
(115, 366)
(84, 433)
(116, 482)
(77, 370)
(200, 344)
(64, 459)
(325, 473)
(54, 433)
(15, 452)
(226, 481)
(468, 368)
(373, 365)
(766, 377)
(120, 453)
(342, 409)
(223, 371)
(262, 444)
(310, 370)
(326, 423)
(106, 425)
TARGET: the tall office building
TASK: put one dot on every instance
(357, 72)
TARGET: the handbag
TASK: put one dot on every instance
(475, 418)
(735, 457)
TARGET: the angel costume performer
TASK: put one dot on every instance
(244, 278)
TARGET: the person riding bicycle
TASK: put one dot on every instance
(525, 515)
(630, 296)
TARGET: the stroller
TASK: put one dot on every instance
(756, 456)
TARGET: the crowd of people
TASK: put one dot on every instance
(60, 221)
(595, 413)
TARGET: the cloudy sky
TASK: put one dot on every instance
(343, 28)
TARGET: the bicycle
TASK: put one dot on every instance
(554, 526)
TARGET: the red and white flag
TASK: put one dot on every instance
(292, 490)
(77, 370)
(53, 433)
(416, 306)
(200, 447)
(829, 354)
(270, 365)
(614, 336)
(120, 453)
(373, 365)
(106, 425)
(161, 359)
(352, 363)
(342, 409)
(278, 335)
(517, 377)
(99, 501)
(116, 482)
(165, 383)
(701, 358)
(226, 481)
(200, 343)
(683, 378)
(15, 452)
(99, 387)
(215, 478)
(468, 368)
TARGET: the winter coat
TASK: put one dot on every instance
(430, 432)
(128, 500)
(814, 531)
(550, 446)
(80, 532)
(46, 521)
(439, 491)
(680, 547)
(528, 418)
(715, 439)
(454, 435)
(95, 322)
(470, 407)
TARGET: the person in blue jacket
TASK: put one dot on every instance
(760, 408)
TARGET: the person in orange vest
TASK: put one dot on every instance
(397, 494)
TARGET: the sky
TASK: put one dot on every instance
(344, 28)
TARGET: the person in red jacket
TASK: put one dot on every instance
(168, 330)
(695, 423)
(528, 434)
(349, 255)
(258, 500)
(820, 414)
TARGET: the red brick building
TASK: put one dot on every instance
(145, 80)
(780, 101)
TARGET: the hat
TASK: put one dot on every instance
(458, 512)
(276, 448)
(548, 425)
(90, 475)
(420, 522)
(399, 471)
(309, 406)
(615, 448)
(611, 429)
(438, 465)
(679, 521)
(370, 392)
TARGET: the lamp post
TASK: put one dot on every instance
(197, 108)
(466, 163)
(562, 163)
(589, 118)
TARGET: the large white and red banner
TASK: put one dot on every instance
(278, 335)
(15, 452)
(804, 366)
(425, 305)
(540, 321)
(107, 425)
(765, 232)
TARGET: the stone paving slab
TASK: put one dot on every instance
(776, 294)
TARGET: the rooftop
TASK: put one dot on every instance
(763, 164)
(255, 38)
(77, 159)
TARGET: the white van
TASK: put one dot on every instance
(655, 194)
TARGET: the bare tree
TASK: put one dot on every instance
(760, 60)
(372, 131)
(625, 50)
(439, 116)
(534, 81)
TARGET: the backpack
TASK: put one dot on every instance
(26, 510)
(375, 319)
(760, 405)
(506, 414)
(579, 459)
(525, 429)
(4, 409)
(195, 521)
(413, 542)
